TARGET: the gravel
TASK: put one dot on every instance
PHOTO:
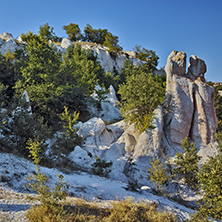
(13, 205)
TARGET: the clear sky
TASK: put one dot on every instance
(192, 26)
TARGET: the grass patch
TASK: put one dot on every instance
(81, 210)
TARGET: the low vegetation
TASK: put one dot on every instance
(81, 211)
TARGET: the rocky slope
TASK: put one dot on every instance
(188, 111)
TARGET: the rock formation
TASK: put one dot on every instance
(189, 102)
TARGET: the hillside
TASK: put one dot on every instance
(81, 122)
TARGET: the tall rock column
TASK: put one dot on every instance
(204, 118)
(178, 104)
(189, 102)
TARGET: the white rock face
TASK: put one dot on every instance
(9, 45)
(189, 102)
(25, 95)
(6, 36)
(80, 156)
(93, 127)
(109, 111)
(106, 61)
(110, 107)
(66, 43)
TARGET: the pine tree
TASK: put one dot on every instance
(210, 178)
(187, 164)
(140, 96)
(158, 174)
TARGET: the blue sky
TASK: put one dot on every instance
(192, 26)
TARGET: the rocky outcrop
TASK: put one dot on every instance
(7, 43)
(189, 102)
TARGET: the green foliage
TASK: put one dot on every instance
(94, 35)
(69, 121)
(158, 174)
(147, 55)
(210, 176)
(39, 182)
(46, 32)
(18, 126)
(111, 41)
(73, 31)
(7, 78)
(39, 69)
(66, 141)
(218, 107)
(210, 179)
(101, 167)
(140, 96)
(187, 163)
(53, 82)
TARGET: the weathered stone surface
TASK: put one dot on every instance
(204, 119)
(6, 36)
(93, 127)
(66, 43)
(189, 102)
(197, 67)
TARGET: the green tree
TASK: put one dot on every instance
(187, 164)
(101, 167)
(157, 173)
(140, 96)
(218, 107)
(94, 35)
(68, 139)
(111, 41)
(73, 31)
(18, 126)
(210, 181)
(39, 69)
(50, 199)
(46, 32)
(147, 55)
(7, 78)
(210, 178)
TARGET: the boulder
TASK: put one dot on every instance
(9, 45)
(93, 127)
(66, 43)
(6, 36)
(80, 156)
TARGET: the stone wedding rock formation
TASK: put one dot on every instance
(189, 102)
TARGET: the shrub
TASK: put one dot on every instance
(187, 164)
(18, 125)
(140, 96)
(158, 174)
(73, 31)
(68, 139)
(50, 199)
(101, 167)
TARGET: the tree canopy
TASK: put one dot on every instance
(140, 95)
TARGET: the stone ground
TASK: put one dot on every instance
(13, 205)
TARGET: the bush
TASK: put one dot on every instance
(140, 96)
(50, 199)
(68, 139)
(158, 174)
(187, 164)
(18, 125)
(101, 167)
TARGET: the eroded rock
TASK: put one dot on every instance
(189, 102)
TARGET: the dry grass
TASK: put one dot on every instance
(80, 210)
